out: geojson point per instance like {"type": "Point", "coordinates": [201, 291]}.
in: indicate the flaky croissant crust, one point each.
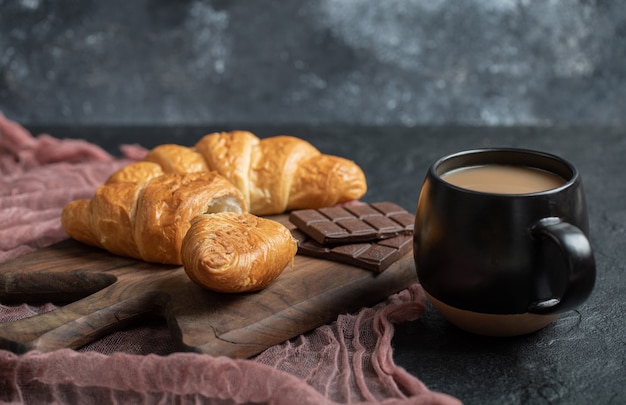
{"type": "Point", "coordinates": [148, 220]}
{"type": "Point", "coordinates": [274, 174]}
{"type": "Point", "coordinates": [228, 252]}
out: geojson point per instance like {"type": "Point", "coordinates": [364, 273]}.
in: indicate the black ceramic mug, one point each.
{"type": "Point", "coordinates": [503, 262]}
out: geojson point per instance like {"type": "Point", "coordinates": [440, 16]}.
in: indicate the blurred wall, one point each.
{"type": "Point", "coordinates": [372, 62]}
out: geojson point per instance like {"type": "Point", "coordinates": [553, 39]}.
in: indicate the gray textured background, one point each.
{"type": "Point", "coordinates": [371, 62]}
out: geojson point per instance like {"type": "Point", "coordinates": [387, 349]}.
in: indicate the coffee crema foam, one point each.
{"type": "Point", "coordinates": [503, 179]}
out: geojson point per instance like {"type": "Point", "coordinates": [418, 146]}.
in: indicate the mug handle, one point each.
{"type": "Point", "coordinates": [581, 268]}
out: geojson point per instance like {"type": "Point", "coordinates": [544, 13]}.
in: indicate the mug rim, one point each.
{"type": "Point", "coordinates": [465, 156]}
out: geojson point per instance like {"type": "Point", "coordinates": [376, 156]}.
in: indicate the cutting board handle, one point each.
{"type": "Point", "coordinates": [78, 323]}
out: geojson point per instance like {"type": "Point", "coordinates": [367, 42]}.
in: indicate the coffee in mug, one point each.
{"type": "Point", "coordinates": [503, 179]}
{"type": "Point", "coordinates": [501, 241]}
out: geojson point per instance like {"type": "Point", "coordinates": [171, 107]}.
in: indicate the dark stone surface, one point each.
{"type": "Point", "coordinates": [392, 62]}
{"type": "Point", "coordinates": [580, 358]}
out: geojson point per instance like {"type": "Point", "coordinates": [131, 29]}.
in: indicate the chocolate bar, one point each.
{"type": "Point", "coordinates": [376, 256]}
{"type": "Point", "coordinates": [356, 223]}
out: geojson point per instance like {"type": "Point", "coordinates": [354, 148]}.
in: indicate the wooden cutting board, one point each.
{"type": "Point", "coordinates": [101, 293]}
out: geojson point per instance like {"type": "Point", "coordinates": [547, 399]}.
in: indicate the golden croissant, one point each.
{"type": "Point", "coordinates": [146, 209]}
{"type": "Point", "coordinates": [148, 220]}
{"type": "Point", "coordinates": [275, 175]}
{"type": "Point", "coordinates": [230, 252]}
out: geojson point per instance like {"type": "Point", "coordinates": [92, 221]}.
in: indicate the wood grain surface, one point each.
{"type": "Point", "coordinates": [100, 293]}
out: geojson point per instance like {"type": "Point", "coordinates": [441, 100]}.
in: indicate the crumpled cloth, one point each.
{"type": "Point", "coordinates": [347, 361]}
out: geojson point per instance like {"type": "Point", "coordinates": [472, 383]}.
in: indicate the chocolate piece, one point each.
{"type": "Point", "coordinates": [356, 223]}
{"type": "Point", "coordinates": [376, 256]}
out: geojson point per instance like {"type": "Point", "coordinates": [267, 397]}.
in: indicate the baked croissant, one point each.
{"type": "Point", "coordinates": [275, 174]}
{"type": "Point", "coordinates": [145, 209]}
{"type": "Point", "coordinates": [229, 252]}
{"type": "Point", "coordinates": [148, 219]}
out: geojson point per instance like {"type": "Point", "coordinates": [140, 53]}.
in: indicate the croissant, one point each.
{"type": "Point", "coordinates": [148, 219]}
{"type": "Point", "coordinates": [275, 174]}
{"type": "Point", "coordinates": [229, 252]}
{"type": "Point", "coordinates": [146, 209]}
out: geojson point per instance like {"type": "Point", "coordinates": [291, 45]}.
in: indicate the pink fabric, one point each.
{"type": "Point", "coordinates": [348, 361]}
